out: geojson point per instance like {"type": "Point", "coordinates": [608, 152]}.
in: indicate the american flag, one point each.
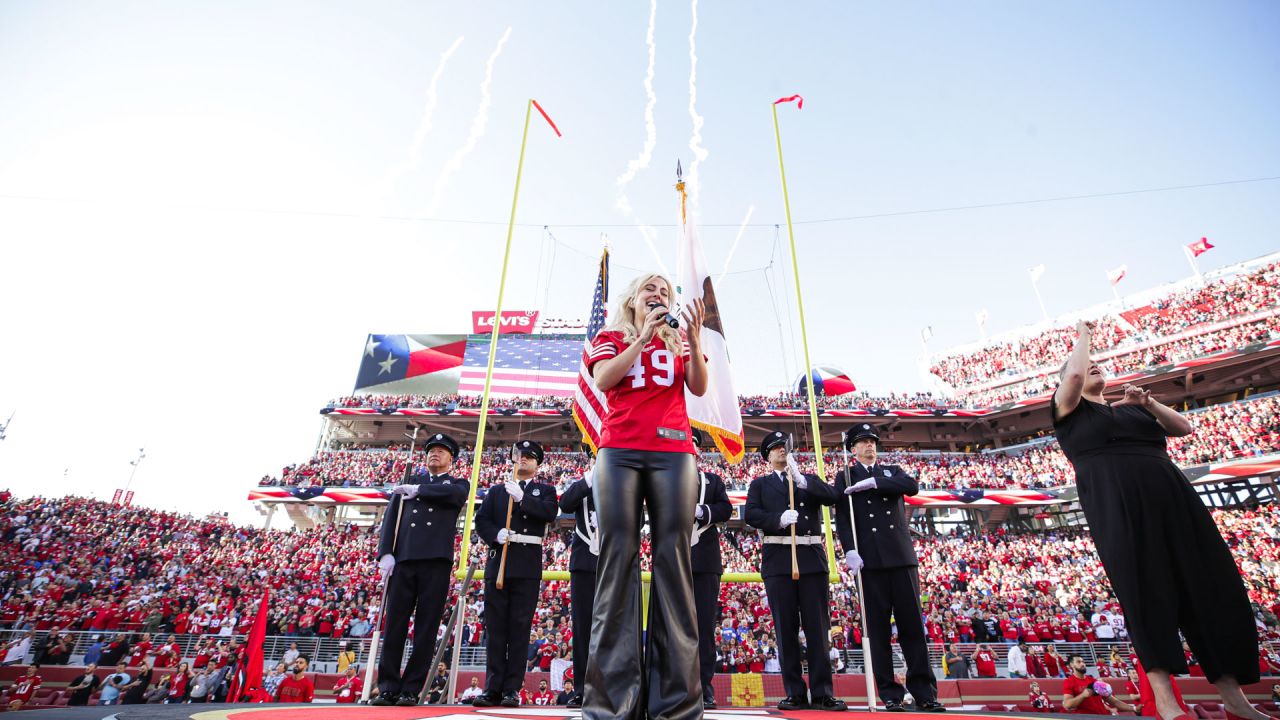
{"type": "Point", "coordinates": [525, 365]}
{"type": "Point", "coordinates": [589, 406]}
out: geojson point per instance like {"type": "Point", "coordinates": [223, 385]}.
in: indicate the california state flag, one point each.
{"type": "Point", "coordinates": [716, 413]}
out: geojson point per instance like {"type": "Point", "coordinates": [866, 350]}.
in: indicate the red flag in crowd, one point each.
{"type": "Point", "coordinates": [249, 673]}
{"type": "Point", "coordinates": [1200, 247]}
{"type": "Point", "coordinates": [1115, 276]}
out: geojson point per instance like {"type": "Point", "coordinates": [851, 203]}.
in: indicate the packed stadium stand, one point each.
{"type": "Point", "coordinates": [1004, 551]}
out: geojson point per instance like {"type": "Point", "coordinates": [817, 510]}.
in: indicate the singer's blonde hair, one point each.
{"type": "Point", "coordinates": [626, 322]}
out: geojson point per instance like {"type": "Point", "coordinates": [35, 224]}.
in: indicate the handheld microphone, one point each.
{"type": "Point", "coordinates": [668, 318]}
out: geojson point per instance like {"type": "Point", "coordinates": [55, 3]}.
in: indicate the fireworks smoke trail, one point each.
{"type": "Point", "coordinates": [641, 161]}
{"type": "Point", "coordinates": [478, 125]}
{"type": "Point", "coordinates": [695, 141]}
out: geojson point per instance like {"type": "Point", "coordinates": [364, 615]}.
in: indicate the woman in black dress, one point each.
{"type": "Point", "coordinates": [1167, 562]}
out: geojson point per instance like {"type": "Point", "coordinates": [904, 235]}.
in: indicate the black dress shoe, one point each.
{"type": "Point", "coordinates": [829, 703]}
{"type": "Point", "coordinates": [894, 706]}
{"type": "Point", "coordinates": [510, 700]}
{"type": "Point", "coordinates": [407, 700]}
{"type": "Point", "coordinates": [487, 699]}
{"type": "Point", "coordinates": [794, 702]}
{"type": "Point", "coordinates": [931, 706]}
{"type": "Point", "coordinates": [385, 699]}
{"type": "Point", "coordinates": [709, 702]}
{"type": "Point", "coordinates": [574, 702]}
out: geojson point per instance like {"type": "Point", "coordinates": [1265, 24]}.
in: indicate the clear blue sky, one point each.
{"type": "Point", "coordinates": [205, 206]}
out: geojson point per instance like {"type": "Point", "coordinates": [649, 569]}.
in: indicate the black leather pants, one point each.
{"type": "Point", "coordinates": [662, 682]}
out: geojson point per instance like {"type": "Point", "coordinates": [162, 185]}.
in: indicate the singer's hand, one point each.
{"type": "Point", "coordinates": [693, 315]}
{"type": "Point", "coordinates": [652, 322]}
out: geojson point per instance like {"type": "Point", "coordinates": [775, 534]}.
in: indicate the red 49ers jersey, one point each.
{"type": "Point", "coordinates": [649, 397]}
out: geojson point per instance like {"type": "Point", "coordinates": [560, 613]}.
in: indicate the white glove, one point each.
{"type": "Point", "coordinates": [698, 512]}
{"type": "Point", "coordinates": [590, 475]}
{"type": "Point", "coordinates": [503, 535]}
{"type": "Point", "coordinates": [408, 491]}
{"type": "Point", "coordinates": [853, 561]}
{"type": "Point", "coordinates": [788, 518]}
{"type": "Point", "coordinates": [860, 486]}
{"type": "Point", "coordinates": [386, 564]}
{"type": "Point", "coordinates": [514, 490]}
{"type": "Point", "coordinates": [797, 477]}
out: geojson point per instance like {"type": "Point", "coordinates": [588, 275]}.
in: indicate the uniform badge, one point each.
{"type": "Point", "coordinates": [888, 474]}
{"type": "Point", "coordinates": [448, 482]}
{"type": "Point", "coordinates": [536, 492]}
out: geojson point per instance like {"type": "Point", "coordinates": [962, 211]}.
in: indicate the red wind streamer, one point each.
{"type": "Point", "coordinates": [547, 117]}
{"type": "Point", "coordinates": [798, 100]}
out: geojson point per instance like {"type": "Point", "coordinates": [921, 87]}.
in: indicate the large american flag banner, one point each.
{"type": "Point", "coordinates": [589, 406]}
{"type": "Point", "coordinates": [525, 365]}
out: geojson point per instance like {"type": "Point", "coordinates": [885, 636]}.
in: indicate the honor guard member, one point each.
{"type": "Point", "coordinates": [713, 508]}
{"type": "Point", "coordinates": [508, 613]}
{"type": "Point", "coordinates": [795, 603]}
{"type": "Point", "coordinates": [577, 499]}
{"type": "Point", "coordinates": [890, 581]}
{"type": "Point", "coordinates": [415, 556]}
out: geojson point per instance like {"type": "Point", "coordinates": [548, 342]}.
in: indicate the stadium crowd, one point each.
{"type": "Point", "coordinates": [1223, 432]}
{"type": "Point", "coordinates": [1236, 297]}
{"type": "Point", "coordinates": [776, 401]}
{"type": "Point", "coordinates": [73, 564]}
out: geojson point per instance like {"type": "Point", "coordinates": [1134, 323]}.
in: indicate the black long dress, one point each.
{"type": "Point", "coordinates": [1166, 560]}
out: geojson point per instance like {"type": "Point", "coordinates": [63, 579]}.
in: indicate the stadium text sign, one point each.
{"type": "Point", "coordinates": [513, 321]}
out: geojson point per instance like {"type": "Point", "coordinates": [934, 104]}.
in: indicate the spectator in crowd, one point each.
{"type": "Point", "coordinates": [82, 687]}
{"type": "Point", "coordinates": [134, 692]}
{"type": "Point", "coordinates": [346, 656]}
{"type": "Point", "coordinates": [985, 661]}
{"type": "Point", "coordinates": [15, 652]}
{"type": "Point", "coordinates": [349, 686]}
{"type": "Point", "coordinates": [202, 685]}
{"type": "Point", "coordinates": [296, 687]}
{"type": "Point", "coordinates": [1039, 698]}
{"type": "Point", "coordinates": [25, 687]}
{"type": "Point", "coordinates": [158, 693]}
{"type": "Point", "coordinates": [271, 683]}
{"type": "Point", "coordinates": [114, 685]}
{"type": "Point", "coordinates": [471, 692]}
{"type": "Point", "coordinates": [179, 684]}
{"type": "Point", "coordinates": [439, 684]}
{"type": "Point", "coordinates": [290, 655]}
{"type": "Point", "coordinates": [1083, 694]}
{"type": "Point", "coordinates": [1017, 660]}
{"type": "Point", "coordinates": [566, 694]}
{"type": "Point", "coordinates": [93, 653]}
{"type": "Point", "coordinates": [957, 664]}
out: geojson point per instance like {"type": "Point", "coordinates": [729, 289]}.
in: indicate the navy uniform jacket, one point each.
{"type": "Point", "coordinates": [428, 523]}
{"type": "Point", "coordinates": [766, 501]}
{"type": "Point", "coordinates": [716, 509]}
{"type": "Point", "coordinates": [529, 517]}
{"type": "Point", "coordinates": [581, 559]}
{"type": "Point", "coordinates": [884, 538]}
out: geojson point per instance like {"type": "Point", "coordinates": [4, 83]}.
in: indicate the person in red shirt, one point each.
{"type": "Point", "coordinates": [1039, 698]}
{"type": "Point", "coordinates": [985, 661]}
{"type": "Point", "coordinates": [544, 696]}
{"type": "Point", "coordinates": [642, 365]}
{"type": "Point", "coordinates": [138, 654]}
{"type": "Point", "coordinates": [1080, 692]}
{"type": "Point", "coordinates": [179, 682]}
{"type": "Point", "coordinates": [1054, 664]}
{"type": "Point", "coordinates": [25, 688]}
{"type": "Point", "coordinates": [296, 687]}
{"type": "Point", "coordinates": [169, 654]}
{"type": "Point", "coordinates": [349, 686]}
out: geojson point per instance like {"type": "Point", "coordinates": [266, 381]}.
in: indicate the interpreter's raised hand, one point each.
{"type": "Point", "coordinates": [1134, 395]}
